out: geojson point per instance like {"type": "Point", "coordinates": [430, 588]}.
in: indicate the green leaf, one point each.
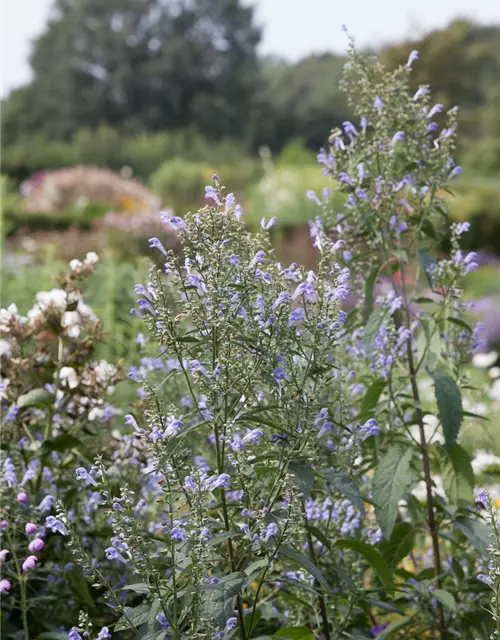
{"type": "Point", "coordinates": [372, 395]}
{"type": "Point", "coordinates": [303, 475]}
{"type": "Point", "coordinates": [304, 562]}
{"type": "Point", "coordinates": [346, 486]}
{"type": "Point", "coordinates": [61, 443]}
{"type": "Point", "coordinates": [476, 532]}
{"type": "Point", "coordinates": [449, 402]}
{"type": "Point", "coordinates": [222, 537]}
{"type": "Point", "coordinates": [35, 398]}
{"type": "Point", "coordinates": [137, 616]}
{"type": "Point", "coordinates": [80, 587]}
{"type": "Point", "coordinates": [389, 631]}
{"type": "Point", "coordinates": [400, 543]}
{"type": "Point", "coordinates": [251, 621]}
{"type": "Point", "coordinates": [139, 587]}
{"type": "Point", "coordinates": [218, 599]}
{"type": "Point", "coordinates": [445, 598]}
{"type": "Point", "coordinates": [369, 288]}
{"type": "Point", "coordinates": [295, 633]}
{"type": "Point", "coordinates": [457, 475]}
{"type": "Point", "coordinates": [319, 535]}
{"type": "Point", "coordinates": [256, 567]}
{"type": "Point", "coordinates": [392, 478]}
{"type": "Point", "coordinates": [426, 259]}
{"type": "Point", "coordinates": [372, 556]}
{"type": "Point", "coordinates": [373, 326]}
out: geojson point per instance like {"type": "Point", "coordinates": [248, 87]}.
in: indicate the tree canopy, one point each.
{"type": "Point", "coordinates": [140, 64]}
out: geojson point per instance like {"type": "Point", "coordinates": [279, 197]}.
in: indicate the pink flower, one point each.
{"type": "Point", "coordinates": [22, 497]}
{"type": "Point", "coordinates": [4, 586]}
{"type": "Point", "coordinates": [29, 563]}
{"type": "Point", "coordinates": [30, 528]}
{"type": "Point", "coordinates": [36, 545]}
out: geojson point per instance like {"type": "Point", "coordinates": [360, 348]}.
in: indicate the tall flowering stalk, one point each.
{"type": "Point", "coordinates": [269, 484]}
{"type": "Point", "coordinates": [394, 166]}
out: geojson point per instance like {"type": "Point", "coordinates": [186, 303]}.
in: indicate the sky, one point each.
{"type": "Point", "coordinates": [291, 28]}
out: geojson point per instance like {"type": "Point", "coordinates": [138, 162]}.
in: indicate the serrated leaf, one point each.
{"type": "Point", "coordinates": [449, 402]}
{"type": "Point", "coordinates": [294, 633]}
{"type": "Point", "coordinates": [303, 475]}
{"type": "Point", "coordinates": [445, 598]}
{"type": "Point", "coordinates": [304, 562]}
{"type": "Point", "coordinates": [457, 475]}
{"type": "Point", "coordinates": [218, 599]}
{"type": "Point", "coordinates": [392, 478]}
{"type": "Point", "coordinates": [346, 486]}
{"type": "Point", "coordinates": [476, 532]}
{"type": "Point", "coordinates": [426, 259]}
{"type": "Point", "coordinates": [400, 544]}
{"type": "Point", "coordinates": [372, 556]}
{"type": "Point", "coordinates": [372, 395]}
{"type": "Point", "coordinates": [35, 398]}
{"type": "Point", "coordinates": [372, 327]}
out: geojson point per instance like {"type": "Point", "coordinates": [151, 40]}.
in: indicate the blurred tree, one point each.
{"type": "Point", "coordinates": [460, 62]}
{"type": "Point", "coordinates": [140, 64]}
{"type": "Point", "coordinates": [305, 99]}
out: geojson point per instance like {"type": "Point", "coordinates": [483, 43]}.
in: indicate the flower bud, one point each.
{"type": "Point", "coordinates": [36, 545]}
{"type": "Point", "coordinates": [22, 497]}
{"type": "Point", "coordinates": [30, 528]}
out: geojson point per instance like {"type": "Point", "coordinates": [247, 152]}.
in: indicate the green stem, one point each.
{"type": "Point", "coordinates": [21, 577]}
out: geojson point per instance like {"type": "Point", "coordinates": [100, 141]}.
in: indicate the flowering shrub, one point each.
{"type": "Point", "coordinates": [54, 410]}
{"type": "Point", "coordinates": [278, 477]}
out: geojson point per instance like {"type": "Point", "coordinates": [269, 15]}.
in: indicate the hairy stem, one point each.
{"type": "Point", "coordinates": [431, 516]}
{"type": "Point", "coordinates": [321, 599]}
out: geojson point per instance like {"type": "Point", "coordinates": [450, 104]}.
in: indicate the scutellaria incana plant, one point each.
{"type": "Point", "coordinates": [272, 482]}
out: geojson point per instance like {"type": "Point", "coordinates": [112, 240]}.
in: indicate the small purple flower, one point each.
{"type": "Point", "coordinates": [311, 195]}
{"type": "Point", "coordinates": [113, 554]}
{"type": "Point", "coordinates": [211, 194]}
{"type": "Point", "coordinates": [420, 93]}
{"type": "Point", "coordinates": [103, 634]}
{"type": "Point", "coordinates": [462, 227]}
{"type": "Point", "coordinates": [36, 545]}
{"type": "Point", "coordinates": [130, 420]}
{"type": "Point", "coordinates": [5, 586]}
{"type": "Point", "coordinates": [437, 108]}
{"type": "Point", "coordinates": [377, 103]}
{"type": "Point", "coordinates": [279, 373]}
{"type": "Point", "coordinates": [74, 634]}
{"type": "Point", "coordinates": [397, 137]}
{"type": "Point", "coordinates": [56, 526]}
{"type": "Point", "coordinates": [455, 172]}
{"type": "Point", "coordinates": [154, 243]}
{"type": "Point", "coordinates": [297, 315]}
{"type": "Point", "coordinates": [83, 474]}
{"type": "Point", "coordinates": [267, 225]}
{"type": "Point", "coordinates": [46, 504]}
{"type": "Point", "coordinates": [29, 563]}
{"type": "Point", "coordinates": [30, 528]}
{"type": "Point", "coordinates": [414, 55]}
{"type": "Point", "coordinates": [22, 497]}
{"type": "Point", "coordinates": [349, 129]}
{"type": "Point", "coordinates": [482, 498]}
